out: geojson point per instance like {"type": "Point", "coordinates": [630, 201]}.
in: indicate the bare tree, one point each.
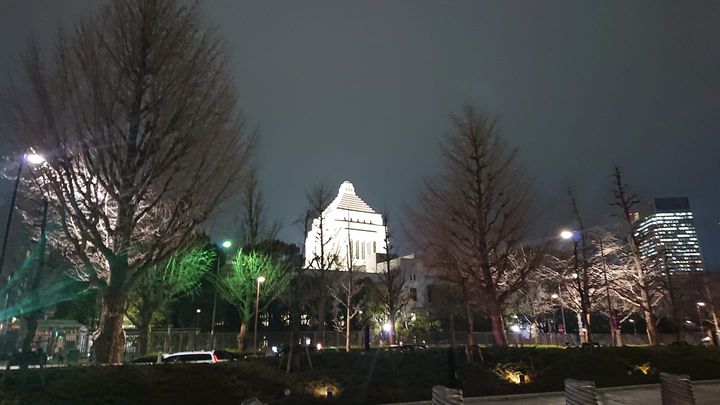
{"type": "Point", "coordinates": [323, 259]}
{"type": "Point", "coordinates": [253, 227]}
{"type": "Point", "coordinates": [478, 210]}
{"type": "Point", "coordinates": [345, 293]}
{"type": "Point", "coordinates": [533, 302]}
{"type": "Point", "coordinates": [392, 292]}
{"type": "Point", "coordinates": [641, 286]}
{"type": "Point", "coordinates": [137, 117]}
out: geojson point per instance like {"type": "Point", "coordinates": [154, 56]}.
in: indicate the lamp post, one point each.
{"type": "Point", "coordinates": [34, 159]}
{"type": "Point", "coordinates": [562, 311]}
{"type": "Point", "coordinates": [582, 286]}
{"type": "Point", "coordinates": [197, 327]}
{"type": "Point", "coordinates": [226, 244]}
{"type": "Point", "coordinates": [632, 321]}
{"type": "Point", "coordinates": [260, 280]}
{"type": "Point", "coordinates": [700, 322]}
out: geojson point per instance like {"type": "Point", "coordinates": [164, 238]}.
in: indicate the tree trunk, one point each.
{"type": "Point", "coordinates": [650, 327]}
{"type": "Point", "coordinates": [498, 328]}
{"type": "Point", "coordinates": [347, 325]}
{"type": "Point", "coordinates": [241, 336]}
{"type": "Point", "coordinates": [31, 322]}
{"type": "Point", "coordinates": [471, 326]}
{"type": "Point", "coordinates": [321, 322]}
{"type": "Point", "coordinates": [581, 335]}
{"type": "Point", "coordinates": [143, 336]}
{"type": "Point", "coordinates": [391, 335]}
{"type": "Point", "coordinates": [452, 329]}
{"type": "Point", "coordinates": [110, 341]}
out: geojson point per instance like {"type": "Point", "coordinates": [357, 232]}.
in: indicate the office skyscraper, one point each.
{"type": "Point", "coordinates": [667, 236]}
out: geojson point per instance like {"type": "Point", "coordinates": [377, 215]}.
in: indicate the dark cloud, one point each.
{"type": "Point", "coordinates": [362, 91]}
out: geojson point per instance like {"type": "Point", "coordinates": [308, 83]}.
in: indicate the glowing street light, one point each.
{"type": "Point", "coordinates": [260, 280]}
{"type": "Point", "coordinates": [632, 321]}
{"type": "Point", "coordinates": [562, 312]}
{"type": "Point", "coordinates": [35, 158]}
{"type": "Point", "coordinates": [565, 234]}
{"type": "Point", "coordinates": [226, 244]}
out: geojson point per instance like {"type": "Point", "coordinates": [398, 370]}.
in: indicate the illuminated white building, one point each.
{"type": "Point", "coordinates": [668, 236]}
{"type": "Point", "coordinates": [350, 228]}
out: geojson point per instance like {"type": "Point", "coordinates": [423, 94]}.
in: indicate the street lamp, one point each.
{"type": "Point", "coordinates": [562, 311]}
{"type": "Point", "coordinates": [702, 329]}
{"type": "Point", "coordinates": [632, 321]}
{"type": "Point", "coordinates": [226, 244]}
{"type": "Point", "coordinates": [582, 285]}
{"type": "Point", "coordinates": [260, 280]}
{"type": "Point", "coordinates": [34, 159]}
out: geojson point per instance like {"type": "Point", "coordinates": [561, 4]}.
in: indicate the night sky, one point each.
{"type": "Point", "coordinates": [362, 91]}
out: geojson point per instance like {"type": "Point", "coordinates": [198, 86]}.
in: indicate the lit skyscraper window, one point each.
{"type": "Point", "coordinates": [667, 237]}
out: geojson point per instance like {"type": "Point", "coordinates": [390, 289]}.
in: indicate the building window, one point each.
{"type": "Point", "coordinates": [357, 250]}
{"type": "Point", "coordinates": [285, 319]}
{"type": "Point", "coordinates": [374, 247]}
{"type": "Point", "coordinates": [413, 294]}
{"type": "Point", "coordinates": [265, 319]}
{"type": "Point", "coordinates": [304, 319]}
{"type": "Point", "coordinates": [362, 250]}
{"type": "Point", "coordinates": [429, 297]}
{"type": "Point", "coordinates": [412, 277]}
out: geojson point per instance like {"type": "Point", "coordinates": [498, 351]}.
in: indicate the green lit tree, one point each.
{"type": "Point", "coordinates": [238, 285]}
{"type": "Point", "coordinates": [163, 284]}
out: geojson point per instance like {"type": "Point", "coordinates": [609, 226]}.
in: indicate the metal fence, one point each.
{"type": "Point", "coordinates": [175, 340]}
{"type": "Point", "coordinates": [169, 341]}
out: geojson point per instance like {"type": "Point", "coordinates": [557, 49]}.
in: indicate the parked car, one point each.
{"type": "Point", "coordinates": [224, 355]}
{"type": "Point", "coordinates": [205, 356]}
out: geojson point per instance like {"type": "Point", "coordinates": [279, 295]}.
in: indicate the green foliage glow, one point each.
{"type": "Point", "coordinates": [166, 282]}
{"type": "Point", "coordinates": [238, 284]}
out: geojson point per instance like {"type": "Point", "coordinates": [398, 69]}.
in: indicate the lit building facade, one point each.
{"type": "Point", "coordinates": [353, 233]}
{"type": "Point", "coordinates": [667, 236]}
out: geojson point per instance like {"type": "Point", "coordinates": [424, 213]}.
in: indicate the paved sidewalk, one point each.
{"type": "Point", "coordinates": [706, 393]}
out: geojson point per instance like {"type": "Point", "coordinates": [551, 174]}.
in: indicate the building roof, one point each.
{"type": "Point", "coordinates": [348, 200]}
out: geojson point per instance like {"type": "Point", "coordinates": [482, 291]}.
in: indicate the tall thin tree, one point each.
{"type": "Point", "coordinates": [478, 210]}
{"type": "Point", "coordinates": [136, 115]}
{"type": "Point", "coordinates": [642, 288]}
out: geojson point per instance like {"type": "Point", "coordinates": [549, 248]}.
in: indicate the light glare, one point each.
{"type": "Point", "coordinates": [35, 158]}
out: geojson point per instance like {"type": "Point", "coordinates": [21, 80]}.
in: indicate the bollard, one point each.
{"type": "Point", "coordinates": [446, 396]}
{"type": "Point", "coordinates": [580, 392]}
{"type": "Point", "coordinates": [676, 389]}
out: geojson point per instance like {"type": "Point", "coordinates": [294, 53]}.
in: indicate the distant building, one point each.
{"type": "Point", "coordinates": [352, 233]}
{"type": "Point", "coordinates": [667, 236]}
